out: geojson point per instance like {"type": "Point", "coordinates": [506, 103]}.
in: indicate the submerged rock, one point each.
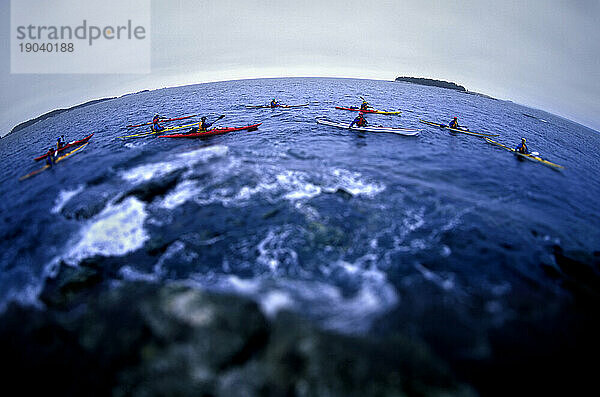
{"type": "Point", "coordinates": [145, 339]}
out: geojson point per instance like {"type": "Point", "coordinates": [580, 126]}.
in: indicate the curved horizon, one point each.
{"type": "Point", "coordinates": [119, 95]}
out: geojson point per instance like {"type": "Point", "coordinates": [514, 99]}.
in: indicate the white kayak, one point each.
{"type": "Point", "coordinates": [389, 130]}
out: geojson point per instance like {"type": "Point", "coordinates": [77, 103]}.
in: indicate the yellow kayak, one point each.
{"type": "Point", "coordinates": [148, 133]}
{"type": "Point", "coordinates": [480, 134]}
{"type": "Point", "coordinates": [527, 156]}
{"type": "Point", "coordinates": [61, 158]}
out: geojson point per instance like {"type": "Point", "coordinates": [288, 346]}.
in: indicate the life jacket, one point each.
{"type": "Point", "coordinates": [364, 106]}
{"type": "Point", "coordinates": [453, 124]}
{"type": "Point", "coordinates": [361, 122]}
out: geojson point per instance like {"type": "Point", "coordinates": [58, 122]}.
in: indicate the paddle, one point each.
{"type": "Point", "coordinates": [218, 118]}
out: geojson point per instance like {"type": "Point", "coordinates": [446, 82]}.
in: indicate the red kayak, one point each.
{"type": "Point", "coordinates": [162, 121]}
{"type": "Point", "coordinates": [214, 131]}
{"type": "Point", "coordinates": [68, 145]}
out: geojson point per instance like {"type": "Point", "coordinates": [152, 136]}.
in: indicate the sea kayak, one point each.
{"type": "Point", "coordinates": [59, 159]}
{"type": "Point", "coordinates": [391, 130]}
{"type": "Point", "coordinates": [148, 133]}
{"type": "Point", "coordinates": [353, 109]}
{"type": "Point", "coordinates": [531, 157]}
{"type": "Point", "coordinates": [214, 131]}
{"type": "Point", "coordinates": [480, 134]}
{"type": "Point", "coordinates": [68, 145]}
{"type": "Point", "coordinates": [276, 107]}
{"type": "Point", "coordinates": [162, 121]}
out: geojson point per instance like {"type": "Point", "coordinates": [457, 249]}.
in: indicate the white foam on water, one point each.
{"type": "Point", "coordinates": [182, 193]}
{"type": "Point", "coordinates": [244, 286]}
{"type": "Point", "coordinates": [117, 230]}
{"type": "Point", "coordinates": [130, 274]}
{"type": "Point", "coordinates": [320, 299]}
{"type": "Point", "coordinates": [146, 172]}
{"type": "Point", "coordinates": [175, 249]}
{"type": "Point", "coordinates": [353, 184]}
{"type": "Point", "coordinates": [292, 185]}
{"type": "Point", "coordinates": [444, 283]}
{"type": "Point", "coordinates": [272, 251]}
{"type": "Point", "coordinates": [300, 186]}
{"type": "Point", "coordinates": [274, 301]}
{"type": "Point", "coordinates": [63, 198]}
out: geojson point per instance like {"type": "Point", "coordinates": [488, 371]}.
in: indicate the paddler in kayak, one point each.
{"type": "Point", "coordinates": [274, 103]}
{"type": "Point", "coordinates": [156, 126]}
{"type": "Point", "coordinates": [522, 147]}
{"type": "Point", "coordinates": [51, 157]}
{"type": "Point", "coordinates": [203, 126]}
{"type": "Point", "coordinates": [454, 124]}
{"type": "Point", "coordinates": [364, 105]}
{"type": "Point", "coordinates": [360, 120]}
{"type": "Point", "coordinates": [60, 142]}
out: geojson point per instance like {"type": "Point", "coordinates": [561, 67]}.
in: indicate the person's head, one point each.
{"type": "Point", "coordinates": [455, 118]}
{"type": "Point", "coordinates": [203, 118]}
{"type": "Point", "coordinates": [361, 114]}
{"type": "Point", "coordinates": [523, 140]}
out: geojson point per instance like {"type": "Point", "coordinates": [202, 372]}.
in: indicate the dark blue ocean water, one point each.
{"type": "Point", "coordinates": [339, 226]}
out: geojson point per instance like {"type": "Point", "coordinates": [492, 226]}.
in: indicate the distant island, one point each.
{"type": "Point", "coordinates": [433, 83]}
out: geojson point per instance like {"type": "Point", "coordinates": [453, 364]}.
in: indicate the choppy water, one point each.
{"type": "Point", "coordinates": [339, 226]}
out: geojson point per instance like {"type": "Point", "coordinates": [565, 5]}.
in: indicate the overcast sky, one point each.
{"type": "Point", "coordinates": [540, 53]}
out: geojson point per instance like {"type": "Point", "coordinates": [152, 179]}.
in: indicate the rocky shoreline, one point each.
{"type": "Point", "coordinates": [97, 335]}
{"type": "Point", "coordinates": [146, 339]}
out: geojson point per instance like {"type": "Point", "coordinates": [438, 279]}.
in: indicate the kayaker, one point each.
{"type": "Point", "coordinates": [360, 120]}
{"type": "Point", "coordinates": [274, 103]}
{"type": "Point", "coordinates": [454, 124]}
{"type": "Point", "coordinates": [203, 126]}
{"type": "Point", "coordinates": [364, 105]}
{"type": "Point", "coordinates": [156, 126]}
{"type": "Point", "coordinates": [522, 147]}
{"type": "Point", "coordinates": [51, 157]}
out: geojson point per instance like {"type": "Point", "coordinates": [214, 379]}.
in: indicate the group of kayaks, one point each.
{"type": "Point", "coordinates": [533, 156]}
{"type": "Point", "coordinates": [196, 130]}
